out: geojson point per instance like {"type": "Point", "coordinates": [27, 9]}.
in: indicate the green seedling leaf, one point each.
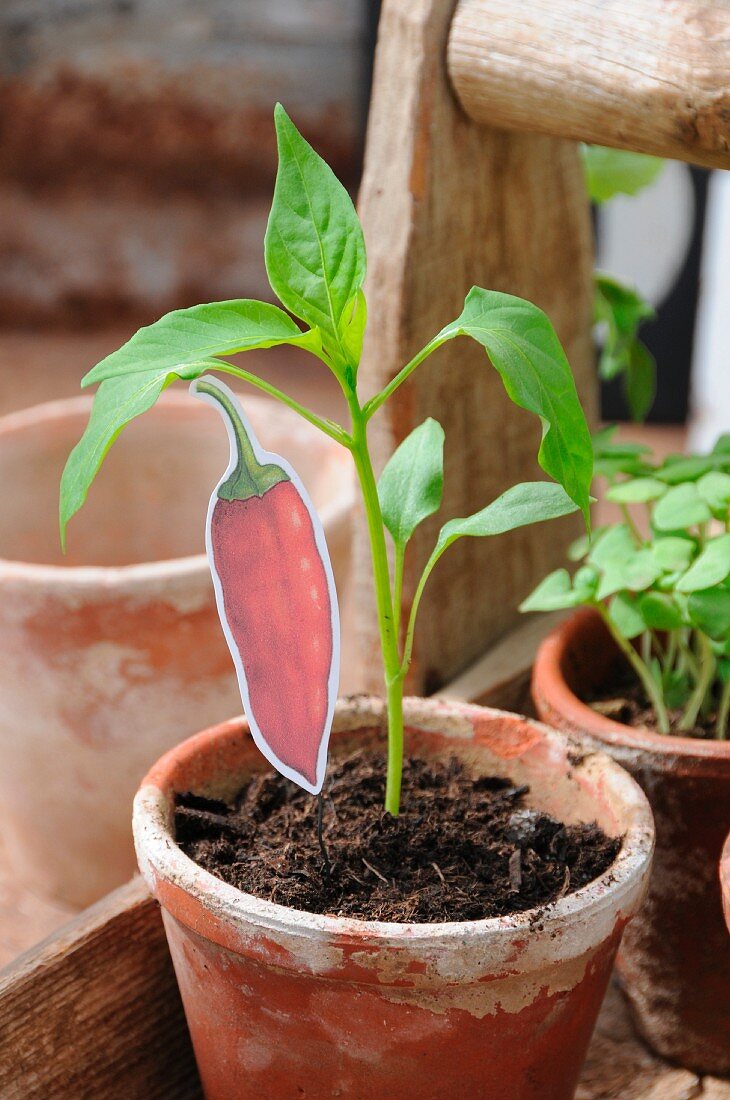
{"type": "Point", "coordinates": [612, 548]}
{"type": "Point", "coordinates": [677, 469]}
{"type": "Point", "coordinates": [580, 546]}
{"type": "Point", "coordinates": [714, 488]}
{"type": "Point", "coordinates": [711, 567]}
{"type": "Point", "coordinates": [605, 444]}
{"type": "Point", "coordinates": [674, 554]}
{"type": "Point", "coordinates": [117, 401]}
{"type": "Point", "coordinates": [314, 247]}
{"type": "Point", "coordinates": [621, 310]}
{"type": "Point", "coordinates": [412, 482]}
{"type": "Point", "coordinates": [709, 610]}
{"type": "Point", "coordinates": [722, 446]}
{"type": "Point", "coordinates": [555, 593]}
{"type": "Point", "coordinates": [677, 688]}
{"type": "Point", "coordinates": [635, 572]}
{"type": "Point", "coordinates": [525, 350]}
{"type": "Point", "coordinates": [189, 338]}
{"type": "Point", "coordinates": [611, 172]}
{"type": "Point", "coordinates": [640, 381]}
{"type": "Point", "coordinates": [639, 490]}
{"type": "Point", "coordinates": [659, 611]}
{"type": "Point", "coordinates": [681, 507]}
{"type": "Point", "coordinates": [626, 616]}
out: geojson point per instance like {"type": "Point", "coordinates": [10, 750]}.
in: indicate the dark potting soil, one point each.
{"type": "Point", "coordinates": [461, 848]}
{"type": "Point", "coordinates": [622, 698]}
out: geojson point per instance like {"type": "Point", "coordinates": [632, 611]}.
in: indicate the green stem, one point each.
{"type": "Point", "coordinates": [379, 399]}
{"type": "Point", "coordinates": [384, 605]}
{"type": "Point", "coordinates": [704, 682]}
{"type": "Point", "coordinates": [648, 682]}
{"type": "Point", "coordinates": [723, 712]}
{"type": "Point", "coordinates": [629, 521]}
{"type": "Point", "coordinates": [334, 431]}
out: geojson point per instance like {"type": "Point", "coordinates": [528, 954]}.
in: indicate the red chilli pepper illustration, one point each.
{"type": "Point", "coordinates": [276, 597]}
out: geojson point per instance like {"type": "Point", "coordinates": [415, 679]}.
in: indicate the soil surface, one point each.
{"type": "Point", "coordinates": [461, 849]}
{"type": "Point", "coordinates": [622, 698]}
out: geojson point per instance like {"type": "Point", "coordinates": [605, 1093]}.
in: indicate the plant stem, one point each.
{"type": "Point", "coordinates": [704, 681]}
{"type": "Point", "coordinates": [648, 682]}
{"type": "Point", "coordinates": [629, 521]}
{"type": "Point", "coordinates": [384, 603]}
{"type": "Point", "coordinates": [379, 399]}
{"type": "Point", "coordinates": [334, 431]}
{"type": "Point", "coordinates": [723, 712]}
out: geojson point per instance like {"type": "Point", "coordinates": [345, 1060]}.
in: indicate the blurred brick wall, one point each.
{"type": "Point", "coordinates": [137, 149]}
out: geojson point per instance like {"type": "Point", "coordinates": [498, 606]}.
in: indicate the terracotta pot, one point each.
{"type": "Point", "coordinates": [113, 654]}
{"type": "Point", "coordinates": [282, 1003]}
{"type": "Point", "coordinates": [675, 959]}
{"type": "Point", "coordinates": [725, 879]}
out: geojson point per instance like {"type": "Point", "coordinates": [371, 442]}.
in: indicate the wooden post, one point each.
{"type": "Point", "coordinates": [446, 204]}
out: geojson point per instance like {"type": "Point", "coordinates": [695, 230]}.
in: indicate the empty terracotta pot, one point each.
{"type": "Point", "coordinates": [725, 880]}
{"type": "Point", "coordinates": [675, 959]}
{"type": "Point", "coordinates": [282, 1003]}
{"type": "Point", "coordinates": [112, 654]}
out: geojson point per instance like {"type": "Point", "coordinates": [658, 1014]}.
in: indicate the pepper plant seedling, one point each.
{"type": "Point", "coordinates": [618, 308]}
{"type": "Point", "coordinates": [315, 259]}
{"type": "Point", "coordinates": [660, 579]}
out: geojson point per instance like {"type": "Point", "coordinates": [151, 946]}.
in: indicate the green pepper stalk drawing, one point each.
{"type": "Point", "coordinates": [315, 260]}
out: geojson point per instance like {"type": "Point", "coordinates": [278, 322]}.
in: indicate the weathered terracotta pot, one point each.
{"type": "Point", "coordinates": [725, 880]}
{"type": "Point", "coordinates": [282, 1003]}
{"type": "Point", "coordinates": [111, 655]}
{"type": "Point", "coordinates": [675, 959]}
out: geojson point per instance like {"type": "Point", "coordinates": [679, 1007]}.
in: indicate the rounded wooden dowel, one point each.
{"type": "Point", "coordinates": [647, 75]}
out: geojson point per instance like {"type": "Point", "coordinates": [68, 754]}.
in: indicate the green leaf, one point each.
{"type": "Point", "coordinates": [314, 247]}
{"type": "Point", "coordinates": [613, 548]}
{"type": "Point", "coordinates": [679, 468]}
{"type": "Point", "coordinates": [622, 310]}
{"type": "Point", "coordinates": [531, 502]}
{"type": "Point", "coordinates": [681, 507]}
{"type": "Point", "coordinates": [554, 593]}
{"type": "Point", "coordinates": [659, 611]}
{"type": "Point", "coordinates": [709, 610]}
{"type": "Point", "coordinates": [640, 381]}
{"type": "Point", "coordinates": [605, 444]}
{"type": "Point", "coordinates": [722, 445]}
{"type": "Point", "coordinates": [711, 567]}
{"type": "Point", "coordinates": [353, 331]}
{"type": "Point", "coordinates": [673, 553]}
{"type": "Point", "coordinates": [190, 337]}
{"type": "Point", "coordinates": [626, 616]}
{"type": "Point", "coordinates": [714, 488]}
{"type": "Point", "coordinates": [639, 490]}
{"type": "Point", "coordinates": [525, 350]}
{"type": "Point", "coordinates": [412, 482]}
{"type": "Point", "coordinates": [634, 572]}
{"type": "Point", "coordinates": [611, 172]}
{"type": "Point", "coordinates": [117, 401]}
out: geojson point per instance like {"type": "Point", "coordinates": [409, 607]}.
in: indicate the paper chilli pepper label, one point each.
{"type": "Point", "coordinates": [276, 597]}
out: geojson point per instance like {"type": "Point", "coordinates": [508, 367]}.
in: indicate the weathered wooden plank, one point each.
{"type": "Point", "coordinates": [648, 75]}
{"type": "Point", "coordinates": [94, 1011]}
{"type": "Point", "coordinates": [447, 204]}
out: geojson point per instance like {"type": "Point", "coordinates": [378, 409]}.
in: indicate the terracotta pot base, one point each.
{"type": "Point", "coordinates": [282, 1003]}
{"type": "Point", "coordinates": [675, 959]}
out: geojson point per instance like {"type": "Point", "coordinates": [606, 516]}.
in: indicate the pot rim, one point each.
{"type": "Point", "coordinates": [163, 862]}
{"type": "Point", "coordinates": [139, 574]}
{"type": "Point", "coordinates": [550, 686]}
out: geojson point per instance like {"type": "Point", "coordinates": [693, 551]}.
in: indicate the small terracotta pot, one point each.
{"type": "Point", "coordinates": [675, 959]}
{"type": "Point", "coordinates": [112, 654]}
{"type": "Point", "coordinates": [282, 1003]}
{"type": "Point", "coordinates": [725, 880]}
